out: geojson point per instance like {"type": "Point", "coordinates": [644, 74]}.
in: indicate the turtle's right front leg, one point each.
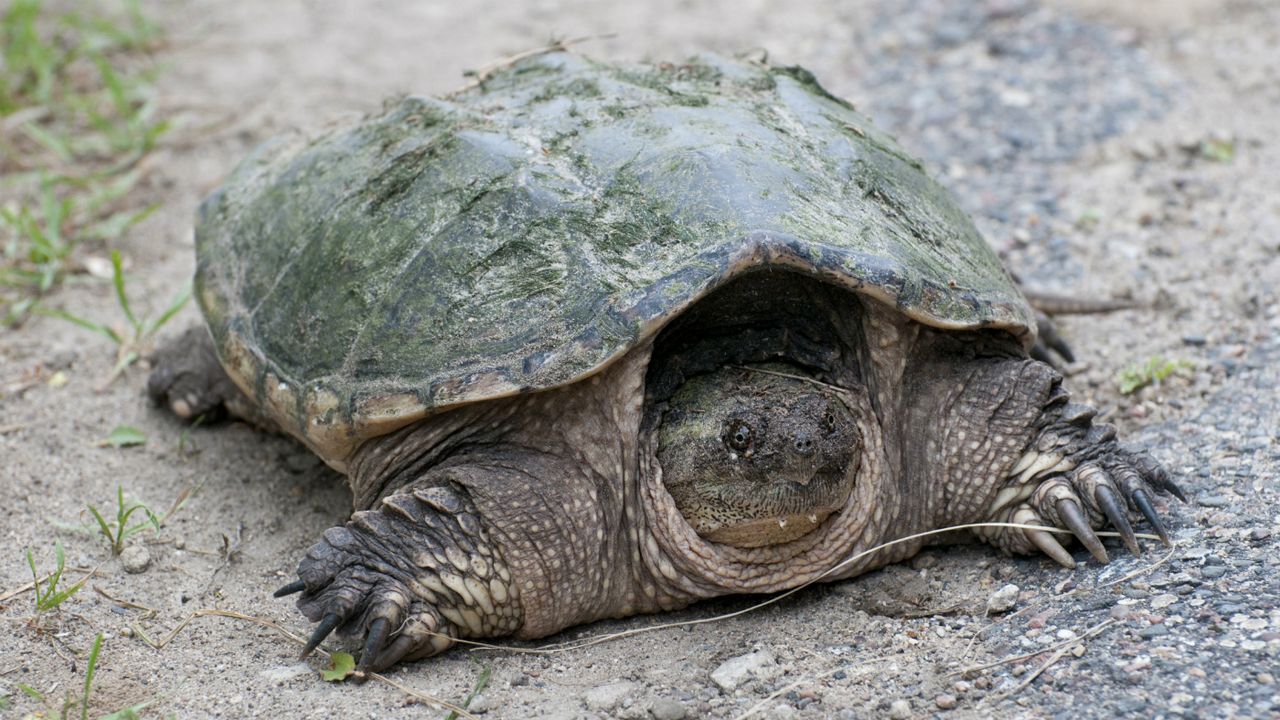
{"type": "Point", "coordinates": [409, 577]}
{"type": "Point", "coordinates": [517, 542]}
{"type": "Point", "coordinates": [188, 379]}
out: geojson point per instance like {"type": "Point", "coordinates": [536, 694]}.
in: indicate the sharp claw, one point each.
{"type": "Point", "coordinates": [1149, 512]}
{"type": "Point", "coordinates": [1061, 347]}
{"type": "Point", "coordinates": [291, 588]}
{"type": "Point", "coordinates": [1111, 507]}
{"type": "Point", "coordinates": [325, 627]}
{"type": "Point", "coordinates": [1168, 484]}
{"type": "Point", "coordinates": [1049, 546]}
{"type": "Point", "coordinates": [378, 631]}
{"type": "Point", "coordinates": [391, 654]}
{"type": "Point", "coordinates": [1073, 517]}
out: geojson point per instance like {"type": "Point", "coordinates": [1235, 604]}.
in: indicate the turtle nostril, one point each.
{"type": "Point", "coordinates": [803, 444]}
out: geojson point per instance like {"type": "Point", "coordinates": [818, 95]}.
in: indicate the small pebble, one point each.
{"type": "Point", "coordinates": [604, 698]}
{"type": "Point", "coordinates": [667, 709]}
{"type": "Point", "coordinates": [735, 671]}
{"type": "Point", "coordinates": [135, 559]}
{"type": "Point", "coordinates": [1266, 679]}
{"type": "Point", "coordinates": [899, 710]}
{"type": "Point", "coordinates": [1152, 631]}
{"type": "Point", "coordinates": [1003, 599]}
{"type": "Point", "coordinates": [945, 701]}
{"type": "Point", "coordinates": [1213, 572]}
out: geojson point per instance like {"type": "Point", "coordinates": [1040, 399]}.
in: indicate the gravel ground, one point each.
{"type": "Point", "coordinates": [1105, 150]}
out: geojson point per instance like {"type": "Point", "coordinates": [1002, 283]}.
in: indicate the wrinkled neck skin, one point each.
{"type": "Point", "coordinates": [579, 510]}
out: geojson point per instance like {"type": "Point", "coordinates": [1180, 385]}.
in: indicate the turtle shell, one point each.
{"type": "Point", "coordinates": [524, 233]}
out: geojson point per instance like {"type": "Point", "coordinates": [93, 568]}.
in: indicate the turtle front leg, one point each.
{"type": "Point", "coordinates": [1077, 477]}
{"type": "Point", "coordinates": [505, 540]}
{"type": "Point", "coordinates": [1012, 448]}
{"type": "Point", "coordinates": [409, 577]}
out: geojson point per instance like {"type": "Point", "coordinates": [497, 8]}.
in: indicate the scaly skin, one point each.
{"type": "Point", "coordinates": [527, 515]}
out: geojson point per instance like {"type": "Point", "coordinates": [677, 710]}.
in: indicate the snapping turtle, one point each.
{"type": "Point", "coordinates": [592, 340]}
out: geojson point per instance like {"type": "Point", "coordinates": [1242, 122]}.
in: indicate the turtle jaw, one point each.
{"type": "Point", "coordinates": [778, 512]}
{"type": "Point", "coordinates": [770, 530]}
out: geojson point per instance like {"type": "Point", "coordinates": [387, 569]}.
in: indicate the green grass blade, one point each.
{"type": "Point", "coordinates": [481, 683]}
{"type": "Point", "coordinates": [102, 330]}
{"type": "Point", "coordinates": [103, 526]}
{"type": "Point", "coordinates": [35, 578]}
{"type": "Point", "coordinates": [88, 677]}
{"type": "Point", "coordinates": [115, 88]}
{"type": "Point", "coordinates": [49, 141]}
{"type": "Point", "coordinates": [117, 279]}
{"type": "Point", "coordinates": [179, 300]}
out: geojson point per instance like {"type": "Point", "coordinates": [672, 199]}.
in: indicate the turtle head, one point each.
{"type": "Point", "coordinates": [757, 456]}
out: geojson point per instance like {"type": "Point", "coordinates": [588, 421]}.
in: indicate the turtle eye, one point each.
{"type": "Point", "coordinates": [829, 422]}
{"type": "Point", "coordinates": [739, 436]}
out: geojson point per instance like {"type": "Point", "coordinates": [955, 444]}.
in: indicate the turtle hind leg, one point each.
{"type": "Point", "coordinates": [188, 379]}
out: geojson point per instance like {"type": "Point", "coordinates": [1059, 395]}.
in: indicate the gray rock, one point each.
{"type": "Point", "coordinates": [1003, 599]}
{"type": "Point", "coordinates": [899, 710]}
{"type": "Point", "coordinates": [733, 672]}
{"type": "Point", "coordinates": [667, 709]}
{"type": "Point", "coordinates": [135, 559]}
{"type": "Point", "coordinates": [604, 698]}
{"type": "Point", "coordinates": [1153, 631]}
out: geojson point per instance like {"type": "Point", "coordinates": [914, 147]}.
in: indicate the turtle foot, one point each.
{"type": "Point", "coordinates": [408, 578]}
{"type": "Point", "coordinates": [1077, 478]}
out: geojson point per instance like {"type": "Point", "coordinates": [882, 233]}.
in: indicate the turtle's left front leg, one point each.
{"type": "Point", "coordinates": [1076, 476]}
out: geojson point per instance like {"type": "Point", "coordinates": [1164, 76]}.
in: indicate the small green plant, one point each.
{"type": "Point", "coordinates": [50, 596]}
{"type": "Point", "coordinates": [117, 532]}
{"type": "Point", "coordinates": [482, 682]}
{"type": "Point", "coordinates": [88, 678]}
{"type": "Point", "coordinates": [1218, 149]}
{"type": "Point", "coordinates": [78, 706]}
{"type": "Point", "coordinates": [132, 342]}
{"type": "Point", "coordinates": [186, 442]}
{"type": "Point", "coordinates": [123, 436]}
{"type": "Point", "coordinates": [341, 666]}
{"type": "Point", "coordinates": [1152, 372]}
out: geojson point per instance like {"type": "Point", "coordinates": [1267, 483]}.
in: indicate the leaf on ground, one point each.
{"type": "Point", "coordinates": [123, 436]}
{"type": "Point", "coordinates": [341, 666]}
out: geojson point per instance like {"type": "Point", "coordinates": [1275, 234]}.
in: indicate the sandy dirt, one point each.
{"type": "Point", "coordinates": [1096, 176]}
